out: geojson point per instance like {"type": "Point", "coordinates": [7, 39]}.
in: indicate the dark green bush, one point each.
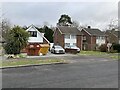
{"type": "Point", "coordinates": [16, 40]}
{"type": "Point", "coordinates": [116, 47]}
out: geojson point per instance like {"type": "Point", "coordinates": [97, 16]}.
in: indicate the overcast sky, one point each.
{"type": "Point", "coordinates": [96, 14]}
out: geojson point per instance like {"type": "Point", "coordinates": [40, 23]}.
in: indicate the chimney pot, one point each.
{"type": "Point", "coordinates": [89, 26]}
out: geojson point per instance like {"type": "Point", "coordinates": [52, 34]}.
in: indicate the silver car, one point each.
{"type": "Point", "coordinates": [57, 49]}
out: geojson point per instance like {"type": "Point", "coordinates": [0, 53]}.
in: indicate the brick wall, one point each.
{"type": "Point", "coordinates": [58, 38]}
{"type": "Point", "coordinates": [90, 41]}
{"type": "Point", "coordinates": [93, 43]}
{"type": "Point", "coordinates": [79, 41]}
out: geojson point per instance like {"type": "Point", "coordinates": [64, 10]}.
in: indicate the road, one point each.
{"type": "Point", "coordinates": [83, 72]}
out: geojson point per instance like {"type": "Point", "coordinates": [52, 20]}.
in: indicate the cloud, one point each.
{"type": "Point", "coordinates": [96, 14]}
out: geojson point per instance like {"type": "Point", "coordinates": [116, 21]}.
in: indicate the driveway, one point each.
{"type": "Point", "coordinates": [82, 72]}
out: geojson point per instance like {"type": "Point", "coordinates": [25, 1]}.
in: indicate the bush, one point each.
{"type": "Point", "coordinates": [103, 48]}
{"type": "Point", "coordinates": [116, 47]}
{"type": "Point", "coordinates": [16, 40]}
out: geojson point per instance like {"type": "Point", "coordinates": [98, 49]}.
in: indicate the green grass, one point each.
{"type": "Point", "coordinates": [114, 57]}
{"type": "Point", "coordinates": [95, 53]}
{"type": "Point", "coordinates": [28, 62]}
{"type": "Point", "coordinates": [99, 54]}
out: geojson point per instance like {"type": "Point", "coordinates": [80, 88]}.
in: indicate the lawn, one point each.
{"type": "Point", "coordinates": [100, 54]}
{"type": "Point", "coordinates": [95, 53]}
{"type": "Point", "coordinates": [10, 63]}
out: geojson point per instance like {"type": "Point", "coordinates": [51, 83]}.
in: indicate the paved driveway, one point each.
{"type": "Point", "coordinates": [83, 72]}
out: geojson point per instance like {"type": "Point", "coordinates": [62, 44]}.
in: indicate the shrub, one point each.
{"type": "Point", "coordinates": [116, 47]}
{"type": "Point", "coordinates": [16, 40]}
{"type": "Point", "coordinates": [103, 48]}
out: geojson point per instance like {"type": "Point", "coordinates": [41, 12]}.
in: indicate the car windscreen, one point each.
{"type": "Point", "coordinates": [73, 46]}
{"type": "Point", "coordinates": [58, 47]}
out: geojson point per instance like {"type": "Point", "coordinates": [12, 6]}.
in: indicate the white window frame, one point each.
{"type": "Point", "coordinates": [74, 44]}
{"type": "Point", "coordinates": [67, 44]}
{"type": "Point", "coordinates": [73, 36]}
{"type": "Point", "coordinates": [67, 36]}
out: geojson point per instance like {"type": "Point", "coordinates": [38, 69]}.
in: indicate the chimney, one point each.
{"type": "Point", "coordinates": [89, 26]}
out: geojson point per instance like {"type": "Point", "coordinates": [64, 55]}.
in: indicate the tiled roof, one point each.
{"type": "Point", "coordinates": [95, 32]}
{"type": "Point", "coordinates": [69, 30]}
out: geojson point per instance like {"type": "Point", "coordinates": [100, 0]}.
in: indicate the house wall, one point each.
{"type": "Point", "coordinates": [87, 43]}
{"type": "Point", "coordinates": [37, 39]}
{"type": "Point", "coordinates": [100, 41]}
{"type": "Point", "coordinates": [58, 38]}
{"type": "Point", "coordinates": [70, 40]}
{"type": "Point", "coordinates": [93, 43]}
{"type": "Point", "coordinates": [79, 41]}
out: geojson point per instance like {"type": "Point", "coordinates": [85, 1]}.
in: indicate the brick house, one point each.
{"type": "Point", "coordinates": [113, 36]}
{"type": "Point", "coordinates": [67, 35]}
{"type": "Point", "coordinates": [36, 38]}
{"type": "Point", "coordinates": [92, 38]}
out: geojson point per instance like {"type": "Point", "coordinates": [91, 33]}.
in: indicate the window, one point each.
{"type": "Point", "coordinates": [102, 37]}
{"type": "Point", "coordinates": [74, 44]}
{"type": "Point", "coordinates": [67, 44]}
{"type": "Point", "coordinates": [98, 37]}
{"type": "Point", "coordinates": [84, 37]}
{"type": "Point", "coordinates": [33, 33]}
{"type": "Point", "coordinates": [73, 36]}
{"type": "Point", "coordinates": [67, 36]}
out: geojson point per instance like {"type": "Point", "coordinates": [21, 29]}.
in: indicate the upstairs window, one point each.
{"type": "Point", "coordinates": [103, 38]}
{"type": "Point", "coordinates": [73, 36]}
{"type": "Point", "coordinates": [33, 33]}
{"type": "Point", "coordinates": [84, 37]}
{"type": "Point", "coordinates": [100, 37]}
{"type": "Point", "coordinates": [67, 36]}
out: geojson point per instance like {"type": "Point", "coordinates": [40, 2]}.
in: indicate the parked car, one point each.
{"type": "Point", "coordinates": [57, 49]}
{"type": "Point", "coordinates": [73, 47]}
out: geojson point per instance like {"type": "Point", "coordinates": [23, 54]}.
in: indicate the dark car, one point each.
{"type": "Point", "coordinates": [73, 47]}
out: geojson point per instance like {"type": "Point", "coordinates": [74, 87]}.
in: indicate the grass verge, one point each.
{"type": "Point", "coordinates": [100, 54]}
{"type": "Point", "coordinates": [15, 63]}
{"type": "Point", "coordinates": [95, 53]}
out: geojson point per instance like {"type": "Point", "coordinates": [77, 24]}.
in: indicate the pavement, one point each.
{"type": "Point", "coordinates": [82, 72]}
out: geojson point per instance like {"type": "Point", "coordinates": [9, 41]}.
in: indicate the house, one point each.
{"type": "Point", "coordinates": [92, 38]}
{"type": "Point", "coordinates": [67, 35]}
{"type": "Point", "coordinates": [113, 36]}
{"type": "Point", "coordinates": [36, 38]}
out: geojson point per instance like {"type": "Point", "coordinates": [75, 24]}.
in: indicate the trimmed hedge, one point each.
{"type": "Point", "coordinates": [116, 47]}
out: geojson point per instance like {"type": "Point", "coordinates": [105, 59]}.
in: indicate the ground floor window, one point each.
{"type": "Point", "coordinates": [74, 44]}
{"type": "Point", "coordinates": [67, 44]}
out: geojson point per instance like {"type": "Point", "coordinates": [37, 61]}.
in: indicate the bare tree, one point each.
{"type": "Point", "coordinates": [6, 26]}
{"type": "Point", "coordinates": [75, 23]}
{"type": "Point", "coordinates": [113, 24]}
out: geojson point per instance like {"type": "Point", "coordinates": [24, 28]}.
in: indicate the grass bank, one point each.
{"type": "Point", "coordinates": [15, 63]}
{"type": "Point", "coordinates": [99, 54]}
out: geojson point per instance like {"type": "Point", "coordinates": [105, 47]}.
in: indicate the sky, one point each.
{"type": "Point", "coordinates": [94, 14]}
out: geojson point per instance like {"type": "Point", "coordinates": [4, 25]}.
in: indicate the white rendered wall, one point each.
{"type": "Point", "coordinates": [100, 41]}
{"type": "Point", "coordinates": [38, 39]}
{"type": "Point", "coordinates": [71, 40]}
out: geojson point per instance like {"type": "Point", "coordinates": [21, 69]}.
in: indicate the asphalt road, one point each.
{"type": "Point", "coordinates": [83, 72]}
